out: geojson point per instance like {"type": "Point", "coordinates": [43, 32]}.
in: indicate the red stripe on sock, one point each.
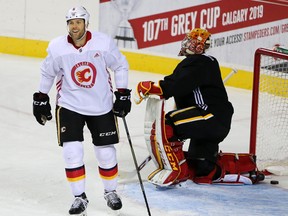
{"type": "Point", "coordinates": [108, 173]}
{"type": "Point", "coordinates": [75, 172]}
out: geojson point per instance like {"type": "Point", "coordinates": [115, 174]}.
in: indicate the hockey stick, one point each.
{"type": "Point", "coordinates": [234, 71]}
{"type": "Point", "coordinates": [148, 158]}
{"type": "Point", "coordinates": [143, 164]}
{"type": "Point", "coordinates": [136, 165]}
{"type": "Point", "coordinates": [131, 174]}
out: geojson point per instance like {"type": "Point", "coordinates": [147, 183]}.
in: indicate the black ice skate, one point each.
{"type": "Point", "coordinates": [79, 205]}
{"type": "Point", "coordinates": [113, 200]}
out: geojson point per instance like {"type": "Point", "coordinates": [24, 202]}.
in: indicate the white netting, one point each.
{"type": "Point", "coordinates": [272, 121]}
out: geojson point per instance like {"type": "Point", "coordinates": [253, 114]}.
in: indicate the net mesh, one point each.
{"type": "Point", "coordinates": [272, 121]}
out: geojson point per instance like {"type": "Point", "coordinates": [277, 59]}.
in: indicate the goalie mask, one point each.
{"type": "Point", "coordinates": [195, 42]}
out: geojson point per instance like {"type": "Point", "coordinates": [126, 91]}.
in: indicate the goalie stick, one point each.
{"type": "Point", "coordinates": [148, 158]}
{"type": "Point", "coordinates": [124, 175]}
{"type": "Point", "coordinates": [234, 71]}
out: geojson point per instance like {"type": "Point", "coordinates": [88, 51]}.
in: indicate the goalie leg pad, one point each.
{"type": "Point", "coordinates": [176, 170]}
{"type": "Point", "coordinates": [184, 172]}
{"type": "Point", "coordinates": [206, 179]}
{"type": "Point", "coordinates": [153, 109]}
{"type": "Point", "coordinates": [236, 169]}
{"type": "Point", "coordinates": [242, 165]}
{"type": "Point", "coordinates": [172, 168]}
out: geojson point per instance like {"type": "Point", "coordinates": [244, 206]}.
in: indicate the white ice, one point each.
{"type": "Point", "coordinates": [33, 182]}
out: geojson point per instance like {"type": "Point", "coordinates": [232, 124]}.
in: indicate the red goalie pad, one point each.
{"type": "Point", "coordinates": [242, 164]}
{"type": "Point", "coordinates": [167, 156]}
{"type": "Point", "coordinates": [236, 168]}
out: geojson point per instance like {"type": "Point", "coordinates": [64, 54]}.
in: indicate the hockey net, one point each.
{"type": "Point", "coordinates": [269, 116]}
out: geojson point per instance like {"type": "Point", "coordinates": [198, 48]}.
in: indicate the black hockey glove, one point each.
{"type": "Point", "coordinates": [41, 108]}
{"type": "Point", "coordinates": [122, 104]}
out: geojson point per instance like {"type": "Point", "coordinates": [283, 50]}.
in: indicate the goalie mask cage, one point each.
{"type": "Point", "coordinates": [269, 114]}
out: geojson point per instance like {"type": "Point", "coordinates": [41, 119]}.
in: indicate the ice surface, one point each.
{"type": "Point", "coordinates": [33, 181]}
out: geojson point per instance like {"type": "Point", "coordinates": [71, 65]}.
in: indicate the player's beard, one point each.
{"type": "Point", "coordinates": [77, 36]}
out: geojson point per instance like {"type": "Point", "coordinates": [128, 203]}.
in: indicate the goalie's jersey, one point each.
{"type": "Point", "coordinates": [197, 81]}
{"type": "Point", "coordinates": [83, 80]}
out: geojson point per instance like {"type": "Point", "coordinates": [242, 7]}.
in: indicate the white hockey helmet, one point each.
{"type": "Point", "coordinates": [195, 42]}
{"type": "Point", "coordinates": [78, 13]}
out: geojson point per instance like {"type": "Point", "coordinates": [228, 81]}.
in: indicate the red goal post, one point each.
{"type": "Point", "coordinates": [269, 112]}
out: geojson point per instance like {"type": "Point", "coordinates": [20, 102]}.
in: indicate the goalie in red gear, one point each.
{"type": "Point", "coordinates": [203, 112]}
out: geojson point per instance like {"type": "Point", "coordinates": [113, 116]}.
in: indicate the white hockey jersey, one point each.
{"type": "Point", "coordinates": [83, 82]}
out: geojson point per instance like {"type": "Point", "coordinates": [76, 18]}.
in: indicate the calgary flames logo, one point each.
{"type": "Point", "coordinates": [84, 74]}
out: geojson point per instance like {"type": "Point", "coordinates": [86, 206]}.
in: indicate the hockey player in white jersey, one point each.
{"type": "Point", "coordinates": [78, 63]}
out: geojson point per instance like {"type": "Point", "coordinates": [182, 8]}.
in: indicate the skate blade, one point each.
{"type": "Point", "coordinates": [114, 212]}
{"type": "Point", "coordinates": [81, 214]}
{"type": "Point", "coordinates": [117, 213]}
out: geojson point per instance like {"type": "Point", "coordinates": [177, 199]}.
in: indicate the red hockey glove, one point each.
{"type": "Point", "coordinates": [144, 89]}
{"type": "Point", "coordinates": [41, 108]}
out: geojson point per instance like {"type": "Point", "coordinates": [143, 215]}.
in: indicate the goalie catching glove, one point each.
{"type": "Point", "coordinates": [146, 88]}
{"type": "Point", "coordinates": [41, 108]}
{"type": "Point", "coordinates": [122, 104]}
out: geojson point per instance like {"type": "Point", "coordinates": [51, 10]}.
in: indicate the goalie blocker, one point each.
{"type": "Point", "coordinates": [174, 166]}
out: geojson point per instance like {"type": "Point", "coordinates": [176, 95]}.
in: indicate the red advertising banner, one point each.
{"type": "Point", "coordinates": [216, 17]}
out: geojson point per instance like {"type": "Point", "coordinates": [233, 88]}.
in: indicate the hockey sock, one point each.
{"type": "Point", "coordinates": [75, 169]}
{"type": "Point", "coordinates": [76, 179]}
{"type": "Point", "coordinates": [108, 167]}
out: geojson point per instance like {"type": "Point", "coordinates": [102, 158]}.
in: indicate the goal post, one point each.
{"type": "Point", "coordinates": [269, 112]}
